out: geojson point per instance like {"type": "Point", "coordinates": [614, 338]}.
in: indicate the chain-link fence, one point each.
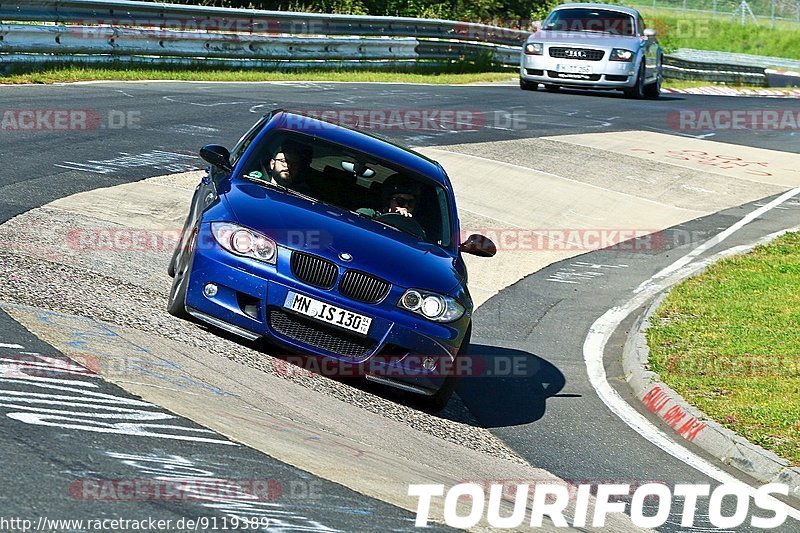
{"type": "Point", "coordinates": [745, 11]}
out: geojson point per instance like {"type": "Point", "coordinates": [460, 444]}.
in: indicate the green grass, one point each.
{"type": "Point", "coordinates": [71, 74]}
{"type": "Point", "coordinates": [728, 340]}
{"type": "Point", "coordinates": [694, 84]}
{"type": "Point", "coordinates": [703, 32]}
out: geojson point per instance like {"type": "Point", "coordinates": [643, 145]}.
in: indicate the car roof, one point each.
{"type": "Point", "coordinates": [609, 7]}
{"type": "Point", "coordinates": [359, 140]}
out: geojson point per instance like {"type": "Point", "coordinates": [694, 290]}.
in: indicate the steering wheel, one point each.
{"type": "Point", "coordinates": [404, 223]}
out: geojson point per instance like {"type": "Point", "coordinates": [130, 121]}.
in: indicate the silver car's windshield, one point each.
{"type": "Point", "coordinates": [590, 20]}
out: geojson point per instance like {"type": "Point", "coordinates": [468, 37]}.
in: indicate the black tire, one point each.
{"type": "Point", "coordinates": [528, 85]}
{"type": "Point", "coordinates": [440, 398]}
{"type": "Point", "coordinates": [176, 304]}
{"type": "Point", "coordinates": [653, 90]}
{"type": "Point", "coordinates": [173, 261]}
{"type": "Point", "coordinates": [637, 91]}
{"type": "Point", "coordinates": [171, 266]}
{"type": "Point", "coordinates": [552, 88]}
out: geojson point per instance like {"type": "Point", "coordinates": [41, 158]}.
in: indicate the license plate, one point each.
{"type": "Point", "coordinates": [574, 69]}
{"type": "Point", "coordinates": [330, 314]}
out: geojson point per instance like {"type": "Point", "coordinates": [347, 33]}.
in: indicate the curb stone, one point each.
{"type": "Point", "coordinates": [691, 423]}
{"type": "Point", "coordinates": [715, 90]}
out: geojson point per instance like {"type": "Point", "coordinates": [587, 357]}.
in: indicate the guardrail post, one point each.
{"type": "Point", "coordinates": [772, 16]}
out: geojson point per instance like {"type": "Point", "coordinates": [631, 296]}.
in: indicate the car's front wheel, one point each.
{"type": "Point", "coordinates": [176, 305]}
{"type": "Point", "coordinates": [637, 91]}
{"type": "Point", "coordinates": [528, 85]}
{"type": "Point", "coordinates": [653, 90]}
{"type": "Point", "coordinates": [440, 398]}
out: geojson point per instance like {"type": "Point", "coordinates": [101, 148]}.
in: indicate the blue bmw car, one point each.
{"type": "Point", "coordinates": [334, 244]}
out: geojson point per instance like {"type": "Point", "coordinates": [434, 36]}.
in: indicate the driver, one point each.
{"type": "Point", "coordinates": [400, 196]}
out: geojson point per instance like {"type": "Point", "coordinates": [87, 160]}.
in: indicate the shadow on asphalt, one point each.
{"type": "Point", "coordinates": [613, 94]}
{"type": "Point", "coordinates": [508, 387]}
{"type": "Point", "coordinates": [498, 387]}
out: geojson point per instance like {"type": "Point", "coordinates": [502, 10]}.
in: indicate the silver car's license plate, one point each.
{"type": "Point", "coordinates": [574, 69]}
{"type": "Point", "coordinates": [327, 313]}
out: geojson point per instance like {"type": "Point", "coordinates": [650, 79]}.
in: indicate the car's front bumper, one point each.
{"type": "Point", "coordinates": [249, 302]}
{"type": "Point", "coordinates": [603, 74]}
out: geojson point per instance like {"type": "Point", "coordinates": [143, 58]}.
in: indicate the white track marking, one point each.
{"type": "Point", "coordinates": [602, 329]}
{"type": "Point", "coordinates": [15, 346]}
{"type": "Point", "coordinates": [175, 100]}
{"type": "Point", "coordinates": [718, 238]}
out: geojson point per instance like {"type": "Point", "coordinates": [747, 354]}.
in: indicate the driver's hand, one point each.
{"type": "Point", "coordinates": [401, 211]}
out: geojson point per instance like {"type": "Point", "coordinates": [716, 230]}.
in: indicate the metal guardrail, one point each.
{"type": "Point", "coordinates": [147, 14]}
{"type": "Point", "coordinates": [90, 40]}
{"type": "Point", "coordinates": [130, 32]}
{"type": "Point", "coordinates": [682, 69]}
{"type": "Point", "coordinates": [729, 58]}
{"type": "Point", "coordinates": [82, 30]}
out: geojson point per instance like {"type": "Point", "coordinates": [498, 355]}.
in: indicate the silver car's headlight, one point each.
{"type": "Point", "coordinates": [620, 54]}
{"type": "Point", "coordinates": [431, 305]}
{"type": "Point", "coordinates": [245, 242]}
{"type": "Point", "coordinates": [534, 49]}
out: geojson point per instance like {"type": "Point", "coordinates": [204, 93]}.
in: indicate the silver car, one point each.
{"type": "Point", "coordinates": [593, 46]}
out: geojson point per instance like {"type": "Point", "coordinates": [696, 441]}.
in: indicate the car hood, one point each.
{"type": "Point", "coordinates": [328, 231]}
{"type": "Point", "coordinates": [595, 40]}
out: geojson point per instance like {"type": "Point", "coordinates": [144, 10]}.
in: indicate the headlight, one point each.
{"type": "Point", "coordinates": [620, 54]}
{"type": "Point", "coordinates": [431, 305]}
{"type": "Point", "coordinates": [245, 242]}
{"type": "Point", "coordinates": [534, 49]}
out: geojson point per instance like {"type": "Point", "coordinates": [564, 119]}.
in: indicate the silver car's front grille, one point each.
{"type": "Point", "coordinates": [570, 76]}
{"type": "Point", "coordinates": [363, 287]}
{"type": "Point", "coordinates": [583, 54]}
{"type": "Point", "coordinates": [314, 270]}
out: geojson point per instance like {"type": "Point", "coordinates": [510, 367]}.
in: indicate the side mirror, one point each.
{"type": "Point", "coordinates": [650, 32]}
{"type": "Point", "coordinates": [478, 245]}
{"type": "Point", "coordinates": [217, 155]}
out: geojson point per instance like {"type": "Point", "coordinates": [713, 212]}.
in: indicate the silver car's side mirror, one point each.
{"type": "Point", "coordinates": [650, 32]}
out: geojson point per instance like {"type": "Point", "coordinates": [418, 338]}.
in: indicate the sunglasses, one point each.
{"type": "Point", "coordinates": [404, 201]}
{"type": "Point", "coordinates": [287, 161]}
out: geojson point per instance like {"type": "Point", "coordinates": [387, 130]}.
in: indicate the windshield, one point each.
{"type": "Point", "coordinates": [590, 20]}
{"type": "Point", "coordinates": [354, 181]}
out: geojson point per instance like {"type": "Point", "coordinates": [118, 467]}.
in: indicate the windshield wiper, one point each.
{"type": "Point", "coordinates": [375, 218]}
{"type": "Point", "coordinates": [281, 188]}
